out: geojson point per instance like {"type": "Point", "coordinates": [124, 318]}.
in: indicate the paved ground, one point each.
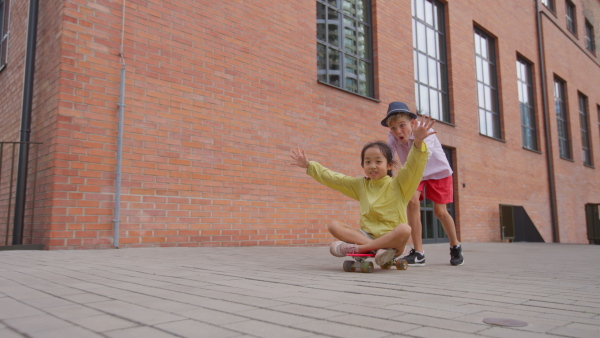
{"type": "Point", "coordinates": [298, 292]}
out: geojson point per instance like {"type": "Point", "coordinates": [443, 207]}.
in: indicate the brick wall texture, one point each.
{"type": "Point", "coordinates": [218, 92]}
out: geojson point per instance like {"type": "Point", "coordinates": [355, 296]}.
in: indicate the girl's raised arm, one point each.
{"type": "Point", "coordinates": [300, 159]}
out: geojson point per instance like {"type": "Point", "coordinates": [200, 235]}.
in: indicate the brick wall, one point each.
{"type": "Point", "coordinates": [218, 93]}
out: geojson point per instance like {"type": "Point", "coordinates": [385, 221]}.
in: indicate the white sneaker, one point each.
{"type": "Point", "coordinates": [340, 249]}
{"type": "Point", "coordinates": [384, 256]}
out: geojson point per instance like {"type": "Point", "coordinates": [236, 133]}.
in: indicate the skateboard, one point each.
{"type": "Point", "coordinates": [362, 263]}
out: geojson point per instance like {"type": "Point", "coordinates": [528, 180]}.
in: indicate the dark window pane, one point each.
{"type": "Point", "coordinates": [322, 62]}
{"type": "Point", "coordinates": [344, 48]}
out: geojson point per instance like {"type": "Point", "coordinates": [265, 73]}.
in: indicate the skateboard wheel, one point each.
{"type": "Point", "coordinates": [387, 265]}
{"type": "Point", "coordinates": [366, 267]}
{"type": "Point", "coordinates": [401, 264]}
{"type": "Point", "coordinates": [349, 266]}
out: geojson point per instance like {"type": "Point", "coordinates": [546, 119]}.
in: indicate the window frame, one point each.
{"type": "Point", "coordinates": [571, 16]}
{"type": "Point", "coordinates": [4, 32]}
{"type": "Point", "coordinates": [491, 111]}
{"type": "Point", "coordinates": [549, 4]}
{"type": "Point", "coordinates": [324, 47]}
{"type": "Point", "coordinates": [429, 32]}
{"type": "Point", "coordinates": [590, 37]}
{"type": "Point", "coordinates": [586, 146]}
{"type": "Point", "coordinates": [527, 109]}
{"type": "Point", "coordinates": [562, 121]}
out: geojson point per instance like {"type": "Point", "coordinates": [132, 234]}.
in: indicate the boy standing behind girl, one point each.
{"type": "Point", "coordinates": [437, 178]}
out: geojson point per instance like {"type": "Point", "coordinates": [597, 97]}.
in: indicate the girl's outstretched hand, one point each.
{"type": "Point", "coordinates": [300, 159]}
{"type": "Point", "coordinates": [423, 129]}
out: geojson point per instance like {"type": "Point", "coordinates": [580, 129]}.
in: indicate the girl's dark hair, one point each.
{"type": "Point", "coordinates": [385, 150]}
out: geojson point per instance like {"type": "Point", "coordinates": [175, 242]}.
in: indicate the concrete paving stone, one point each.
{"type": "Point", "coordinates": [584, 326]}
{"type": "Point", "coordinates": [451, 306]}
{"type": "Point", "coordinates": [450, 324]}
{"type": "Point", "coordinates": [365, 320]}
{"type": "Point", "coordinates": [274, 317]}
{"type": "Point", "coordinates": [168, 305]}
{"type": "Point", "coordinates": [84, 298]}
{"type": "Point", "coordinates": [570, 317]}
{"type": "Point", "coordinates": [47, 302]}
{"type": "Point", "coordinates": [137, 332]}
{"type": "Point", "coordinates": [71, 331]}
{"type": "Point", "coordinates": [433, 332]}
{"type": "Point", "coordinates": [135, 313]}
{"type": "Point", "coordinates": [21, 292]}
{"type": "Point", "coordinates": [309, 301]}
{"type": "Point", "coordinates": [373, 310]}
{"type": "Point", "coordinates": [69, 312]}
{"type": "Point", "coordinates": [102, 323]}
{"type": "Point", "coordinates": [267, 330]}
{"type": "Point", "coordinates": [535, 323]}
{"type": "Point", "coordinates": [574, 332]}
{"type": "Point", "coordinates": [10, 308]}
{"type": "Point", "coordinates": [136, 298]}
{"type": "Point", "coordinates": [507, 332]}
{"type": "Point", "coordinates": [588, 303]}
{"type": "Point", "coordinates": [191, 328]}
{"type": "Point", "coordinates": [330, 328]}
{"type": "Point", "coordinates": [61, 291]}
{"type": "Point", "coordinates": [8, 333]}
{"type": "Point", "coordinates": [547, 310]}
{"type": "Point", "coordinates": [230, 307]}
{"type": "Point", "coordinates": [483, 302]}
{"type": "Point", "coordinates": [212, 316]}
{"type": "Point", "coordinates": [32, 324]}
{"type": "Point", "coordinates": [495, 280]}
{"type": "Point", "coordinates": [402, 309]}
{"type": "Point", "coordinates": [236, 297]}
{"type": "Point", "coordinates": [553, 305]}
{"type": "Point", "coordinates": [307, 311]}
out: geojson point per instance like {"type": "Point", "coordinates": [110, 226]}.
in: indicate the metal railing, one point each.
{"type": "Point", "coordinates": [8, 172]}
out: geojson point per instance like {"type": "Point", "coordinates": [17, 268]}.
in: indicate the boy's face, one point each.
{"type": "Point", "coordinates": [375, 164]}
{"type": "Point", "coordinates": [402, 128]}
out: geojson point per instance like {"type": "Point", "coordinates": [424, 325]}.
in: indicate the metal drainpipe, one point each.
{"type": "Point", "coordinates": [120, 139]}
{"type": "Point", "coordinates": [21, 185]}
{"type": "Point", "coordinates": [550, 163]}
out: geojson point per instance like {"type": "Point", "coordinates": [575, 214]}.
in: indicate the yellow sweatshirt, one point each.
{"type": "Point", "coordinates": [382, 202]}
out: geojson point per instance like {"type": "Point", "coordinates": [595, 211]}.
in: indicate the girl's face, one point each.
{"type": "Point", "coordinates": [375, 164]}
{"type": "Point", "coordinates": [402, 128]}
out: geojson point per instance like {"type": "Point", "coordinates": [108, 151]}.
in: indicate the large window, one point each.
{"type": "Point", "coordinates": [526, 106]}
{"type": "Point", "coordinates": [429, 46]}
{"type": "Point", "coordinates": [590, 39]}
{"type": "Point", "coordinates": [344, 45]}
{"type": "Point", "coordinates": [549, 4]}
{"type": "Point", "coordinates": [3, 32]}
{"type": "Point", "coordinates": [584, 126]}
{"type": "Point", "coordinates": [570, 14]}
{"type": "Point", "coordinates": [564, 142]}
{"type": "Point", "coordinates": [487, 91]}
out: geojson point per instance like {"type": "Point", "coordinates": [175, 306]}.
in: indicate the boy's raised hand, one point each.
{"type": "Point", "coordinates": [423, 129]}
{"type": "Point", "coordinates": [300, 159]}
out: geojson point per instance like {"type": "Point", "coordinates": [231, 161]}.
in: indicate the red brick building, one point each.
{"type": "Point", "coordinates": [217, 93]}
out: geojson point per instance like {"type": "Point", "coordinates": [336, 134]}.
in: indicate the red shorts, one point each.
{"type": "Point", "coordinates": [439, 191]}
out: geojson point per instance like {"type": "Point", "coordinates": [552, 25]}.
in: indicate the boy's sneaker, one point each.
{"type": "Point", "coordinates": [415, 258]}
{"type": "Point", "coordinates": [340, 249]}
{"type": "Point", "coordinates": [456, 257]}
{"type": "Point", "coordinates": [384, 256]}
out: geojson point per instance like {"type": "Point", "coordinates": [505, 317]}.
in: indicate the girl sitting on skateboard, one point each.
{"type": "Point", "coordinates": [383, 199]}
